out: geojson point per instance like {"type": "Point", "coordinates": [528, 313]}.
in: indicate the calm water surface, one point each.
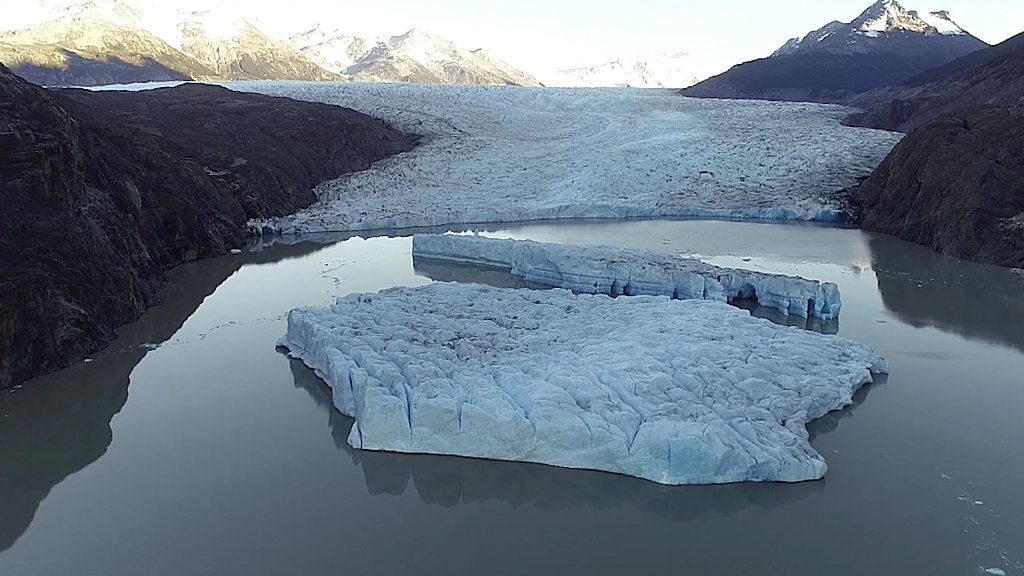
{"type": "Point", "coordinates": [193, 446]}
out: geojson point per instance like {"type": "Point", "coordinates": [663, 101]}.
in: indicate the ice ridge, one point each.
{"type": "Point", "coordinates": [621, 271]}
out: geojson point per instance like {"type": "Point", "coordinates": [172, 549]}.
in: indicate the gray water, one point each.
{"type": "Point", "coordinates": [193, 446]}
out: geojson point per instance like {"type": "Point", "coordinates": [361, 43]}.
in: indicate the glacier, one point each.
{"type": "Point", "coordinates": [506, 154]}
{"type": "Point", "coordinates": [621, 271]}
{"type": "Point", "coordinates": [673, 391]}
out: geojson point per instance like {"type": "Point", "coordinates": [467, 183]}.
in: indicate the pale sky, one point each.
{"type": "Point", "coordinates": [552, 34]}
{"type": "Point", "coordinates": [544, 35]}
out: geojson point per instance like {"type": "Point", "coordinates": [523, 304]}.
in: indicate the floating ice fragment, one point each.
{"type": "Point", "coordinates": [674, 391]}
{"type": "Point", "coordinates": [995, 571]}
{"type": "Point", "coordinates": [617, 271]}
{"type": "Point", "coordinates": [236, 251]}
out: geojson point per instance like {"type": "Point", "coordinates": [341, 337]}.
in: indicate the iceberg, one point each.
{"type": "Point", "coordinates": [673, 391]}
{"type": "Point", "coordinates": [622, 271]}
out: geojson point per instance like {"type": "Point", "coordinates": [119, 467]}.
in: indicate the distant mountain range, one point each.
{"type": "Point", "coordinates": [93, 42]}
{"type": "Point", "coordinates": [415, 56]}
{"type": "Point", "coordinates": [885, 45]}
{"type": "Point", "coordinates": [662, 71]}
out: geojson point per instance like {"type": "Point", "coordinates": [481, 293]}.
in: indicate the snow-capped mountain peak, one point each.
{"type": "Point", "coordinates": [942, 22]}
{"type": "Point", "coordinates": [882, 18]}
{"type": "Point", "coordinates": [417, 56]}
{"type": "Point", "coordinates": [888, 15]}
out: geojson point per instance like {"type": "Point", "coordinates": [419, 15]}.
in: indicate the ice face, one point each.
{"type": "Point", "coordinates": [674, 391]}
{"type": "Point", "coordinates": [617, 271]}
{"type": "Point", "coordinates": [495, 154]}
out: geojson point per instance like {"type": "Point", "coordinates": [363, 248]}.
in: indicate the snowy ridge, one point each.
{"type": "Point", "coordinates": [495, 154]}
{"type": "Point", "coordinates": [663, 71]}
{"type": "Point", "coordinates": [616, 271]}
{"type": "Point", "coordinates": [413, 56]}
{"type": "Point", "coordinates": [879, 19]}
{"type": "Point", "coordinates": [674, 391]}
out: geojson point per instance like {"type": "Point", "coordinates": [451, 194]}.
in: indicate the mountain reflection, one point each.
{"type": "Point", "coordinates": [452, 480]}
{"type": "Point", "coordinates": [60, 423]}
{"type": "Point", "coordinates": [975, 301]}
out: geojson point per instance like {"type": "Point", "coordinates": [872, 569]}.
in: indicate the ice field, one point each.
{"type": "Point", "coordinates": [493, 154]}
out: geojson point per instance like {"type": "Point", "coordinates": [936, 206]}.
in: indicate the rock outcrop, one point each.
{"type": "Point", "coordinates": [104, 192]}
{"type": "Point", "coordinates": [956, 185]}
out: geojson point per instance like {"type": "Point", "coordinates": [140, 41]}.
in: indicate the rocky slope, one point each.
{"type": "Point", "coordinates": [885, 45]}
{"type": "Point", "coordinates": [956, 185]}
{"type": "Point", "coordinates": [990, 77]}
{"type": "Point", "coordinates": [104, 192]}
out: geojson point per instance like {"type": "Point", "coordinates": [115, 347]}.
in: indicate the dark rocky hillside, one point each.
{"type": "Point", "coordinates": [990, 77]}
{"type": "Point", "coordinates": [104, 192]}
{"type": "Point", "coordinates": [956, 185]}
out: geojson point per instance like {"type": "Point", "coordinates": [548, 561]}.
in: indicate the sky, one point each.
{"type": "Point", "coordinates": [546, 35]}
{"type": "Point", "coordinates": [553, 34]}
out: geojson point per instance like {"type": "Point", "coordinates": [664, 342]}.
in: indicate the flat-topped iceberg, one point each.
{"type": "Point", "coordinates": [617, 271]}
{"type": "Point", "coordinates": [674, 391]}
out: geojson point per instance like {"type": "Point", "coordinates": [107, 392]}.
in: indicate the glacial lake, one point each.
{"type": "Point", "coordinates": [193, 446]}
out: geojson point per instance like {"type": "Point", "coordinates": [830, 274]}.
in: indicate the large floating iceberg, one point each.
{"type": "Point", "coordinates": [496, 154]}
{"type": "Point", "coordinates": [618, 271]}
{"type": "Point", "coordinates": [674, 391]}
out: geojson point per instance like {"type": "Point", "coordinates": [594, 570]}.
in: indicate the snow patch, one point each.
{"type": "Point", "coordinates": [621, 271]}
{"type": "Point", "coordinates": [674, 391]}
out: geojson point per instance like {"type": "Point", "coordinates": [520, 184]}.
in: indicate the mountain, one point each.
{"type": "Point", "coordinates": [91, 42]}
{"type": "Point", "coordinates": [956, 185]}
{"type": "Point", "coordinates": [679, 70]}
{"type": "Point", "coordinates": [105, 191]}
{"type": "Point", "coordinates": [415, 56]}
{"type": "Point", "coordinates": [75, 51]}
{"type": "Point", "coordinates": [118, 41]}
{"type": "Point", "coordinates": [990, 77]}
{"type": "Point", "coordinates": [236, 50]}
{"type": "Point", "coordinates": [885, 45]}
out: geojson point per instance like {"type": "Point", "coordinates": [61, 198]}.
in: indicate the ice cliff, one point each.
{"type": "Point", "coordinates": [617, 271]}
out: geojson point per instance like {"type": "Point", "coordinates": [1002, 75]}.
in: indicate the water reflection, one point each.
{"type": "Point", "coordinates": [830, 422]}
{"type": "Point", "coordinates": [60, 423]}
{"type": "Point", "coordinates": [975, 301]}
{"type": "Point", "coordinates": [451, 481]}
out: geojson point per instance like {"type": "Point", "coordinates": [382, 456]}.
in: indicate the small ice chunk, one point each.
{"type": "Point", "coordinates": [995, 571]}
{"type": "Point", "coordinates": [236, 251]}
{"type": "Point", "coordinates": [674, 391]}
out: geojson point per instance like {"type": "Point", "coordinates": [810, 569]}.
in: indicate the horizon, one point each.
{"type": "Point", "coordinates": [573, 33]}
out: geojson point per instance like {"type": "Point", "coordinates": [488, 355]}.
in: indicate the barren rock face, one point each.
{"type": "Point", "coordinates": [956, 185]}
{"type": "Point", "coordinates": [105, 192]}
